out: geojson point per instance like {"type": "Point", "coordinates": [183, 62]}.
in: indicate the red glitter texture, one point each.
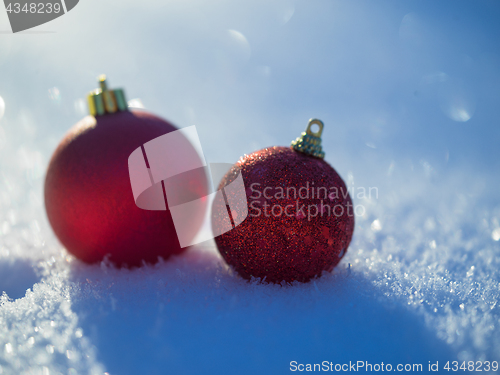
{"type": "Point", "coordinates": [88, 195]}
{"type": "Point", "coordinates": [296, 245]}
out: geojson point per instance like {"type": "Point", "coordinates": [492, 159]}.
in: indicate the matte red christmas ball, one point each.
{"type": "Point", "coordinates": [299, 215]}
{"type": "Point", "coordinates": [88, 194]}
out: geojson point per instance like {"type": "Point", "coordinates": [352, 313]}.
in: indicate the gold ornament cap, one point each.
{"type": "Point", "coordinates": [102, 100]}
{"type": "Point", "coordinates": [309, 142]}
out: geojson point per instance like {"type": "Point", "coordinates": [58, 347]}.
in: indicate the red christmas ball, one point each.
{"type": "Point", "coordinates": [88, 194]}
{"type": "Point", "coordinates": [300, 216]}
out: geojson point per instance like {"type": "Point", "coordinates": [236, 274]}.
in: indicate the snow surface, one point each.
{"type": "Point", "coordinates": [409, 95]}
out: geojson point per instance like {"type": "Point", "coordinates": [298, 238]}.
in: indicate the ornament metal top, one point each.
{"type": "Point", "coordinates": [102, 100]}
{"type": "Point", "coordinates": [309, 142]}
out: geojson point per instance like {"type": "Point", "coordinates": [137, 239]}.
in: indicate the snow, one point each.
{"type": "Point", "coordinates": [408, 92]}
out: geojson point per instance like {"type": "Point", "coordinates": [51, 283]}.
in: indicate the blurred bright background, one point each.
{"type": "Point", "coordinates": [409, 92]}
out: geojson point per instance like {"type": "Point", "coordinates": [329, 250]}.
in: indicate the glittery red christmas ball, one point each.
{"type": "Point", "coordinates": [300, 216]}
{"type": "Point", "coordinates": [88, 194]}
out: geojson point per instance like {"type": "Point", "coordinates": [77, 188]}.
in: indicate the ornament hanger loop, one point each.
{"type": "Point", "coordinates": [312, 122]}
{"type": "Point", "coordinates": [309, 141]}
